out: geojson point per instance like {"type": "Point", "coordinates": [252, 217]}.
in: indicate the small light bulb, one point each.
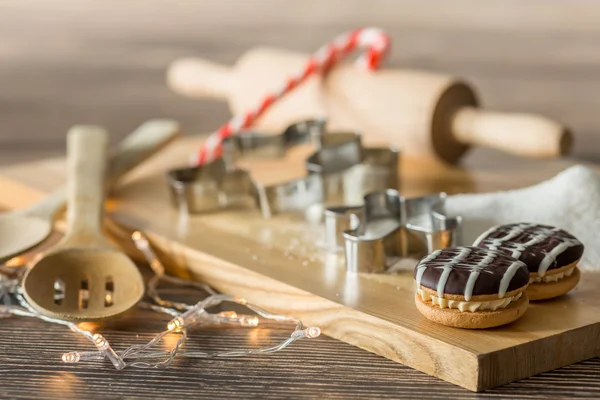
{"type": "Point", "coordinates": [137, 235]}
{"type": "Point", "coordinates": [17, 261]}
{"type": "Point", "coordinates": [308, 333]}
{"type": "Point", "coordinates": [240, 300]}
{"type": "Point", "coordinates": [313, 332]}
{"type": "Point", "coordinates": [143, 245]}
{"type": "Point", "coordinates": [175, 324]}
{"type": "Point", "coordinates": [72, 357]}
{"type": "Point", "coordinates": [250, 321]}
{"type": "Point", "coordinates": [103, 346]}
{"type": "Point", "coordinates": [100, 342]}
{"type": "Point", "coordinates": [228, 314]}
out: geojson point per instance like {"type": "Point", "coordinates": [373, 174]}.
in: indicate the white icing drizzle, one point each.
{"type": "Point", "coordinates": [443, 280]}
{"type": "Point", "coordinates": [521, 247]}
{"type": "Point", "coordinates": [549, 258]}
{"type": "Point", "coordinates": [432, 256]}
{"type": "Point", "coordinates": [508, 275]}
{"type": "Point", "coordinates": [471, 284]}
{"type": "Point", "coordinates": [459, 261]}
{"type": "Point", "coordinates": [485, 234]}
{"type": "Point", "coordinates": [512, 233]}
{"type": "Point", "coordinates": [447, 268]}
{"type": "Point", "coordinates": [475, 271]}
{"type": "Point", "coordinates": [420, 271]}
{"type": "Point", "coordinates": [421, 267]}
{"type": "Point", "coordinates": [538, 235]}
{"type": "Point", "coordinates": [496, 242]}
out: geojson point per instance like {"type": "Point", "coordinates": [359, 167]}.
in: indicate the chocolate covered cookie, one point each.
{"type": "Point", "coordinates": [551, 255]}
{"type": "Point", "coordinates": [471, 287]}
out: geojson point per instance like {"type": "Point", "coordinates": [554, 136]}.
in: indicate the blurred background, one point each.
{"type": "Point", "coordinates": [103, 61]}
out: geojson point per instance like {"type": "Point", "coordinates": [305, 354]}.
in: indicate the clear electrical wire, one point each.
{"type": "Point", "coordinates": [183, 317]}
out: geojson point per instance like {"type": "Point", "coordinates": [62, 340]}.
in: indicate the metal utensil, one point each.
{"type": "Point", "coordinates": [389, 226]}
{"type": "Point", "coordinates": [341, 168]}
{"type": "Point", "coordinates": [84, 277]}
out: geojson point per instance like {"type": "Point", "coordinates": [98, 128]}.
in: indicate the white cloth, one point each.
{"type": "Point", "coordinates": [570, 201]}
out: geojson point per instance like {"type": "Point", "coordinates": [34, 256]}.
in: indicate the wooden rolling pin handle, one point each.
{"type": "Point", "coordinates": [521, 134]}
{"type": "Point", "coordinates": [194, 77]}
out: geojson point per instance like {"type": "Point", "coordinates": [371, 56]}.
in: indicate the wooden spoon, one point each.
{"type": "Point", "coordinates": [23, 229]}
{"type": "Point", "coordinates": [84, 277]}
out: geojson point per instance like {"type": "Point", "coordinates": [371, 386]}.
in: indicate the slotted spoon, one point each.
{"type": "Point", "coordinates": [84, 277]}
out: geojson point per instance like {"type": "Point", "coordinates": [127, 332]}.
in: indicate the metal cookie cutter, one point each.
{"type": "Point", "coordinates": [213, 187]}
{"type": "Point", "coordinates": [350, 171]}
{"type": "Point", "coordinates": [389, 226]}
{"type": "Point", "coordinates": [340, 169]}
{"type": "Point", "coordinates": [210, 187]}
{"type": "Point", "coordinates": [257, 144]}
{"type": "Point", "coordinates": [220, 184]}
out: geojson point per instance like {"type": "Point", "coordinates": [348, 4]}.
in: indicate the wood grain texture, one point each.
{"type": "Point", "coordinates": [67, 62]}
{"type": "Point", "coordinates": [278, 265]}
{"type": "Point", "coordinates": [316, 368]}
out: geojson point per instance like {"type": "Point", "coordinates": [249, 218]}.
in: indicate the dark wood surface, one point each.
{"type": "Point", "coordinates": [30, 351]}
{"type": "Point", "coordinates": [83, 61]}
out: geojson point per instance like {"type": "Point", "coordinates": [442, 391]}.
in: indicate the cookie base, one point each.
{"type": "Point", "coordinates": [473, 320]}
{"type": "Point", "coordinates": [550, 290]}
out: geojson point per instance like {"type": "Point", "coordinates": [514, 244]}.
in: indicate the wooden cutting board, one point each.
{"type": "Point", "coordinates": [279, 265]}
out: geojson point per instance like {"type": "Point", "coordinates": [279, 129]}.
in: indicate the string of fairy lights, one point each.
{"type": "Point", "coordinates": [184, 317]}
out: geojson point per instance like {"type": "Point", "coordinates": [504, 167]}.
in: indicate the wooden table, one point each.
{"type": "Point", "coordinates": [102, 62]}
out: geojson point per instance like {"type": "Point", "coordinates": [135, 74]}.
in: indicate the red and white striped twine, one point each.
{"type": "Point", "coordinates": [374, 40]}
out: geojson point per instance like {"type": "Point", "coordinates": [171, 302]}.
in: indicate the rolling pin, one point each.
{"type": "Point", "coordinates": [423, 114]}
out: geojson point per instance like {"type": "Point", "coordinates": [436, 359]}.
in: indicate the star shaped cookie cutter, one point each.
{"type": "Point", "coordinates": [389, 226]}
{"type": "Point", "coordinates": [340, 168]}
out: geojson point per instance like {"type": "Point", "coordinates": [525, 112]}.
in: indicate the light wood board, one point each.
{"type": "Point", "coordinates": [278, 264]}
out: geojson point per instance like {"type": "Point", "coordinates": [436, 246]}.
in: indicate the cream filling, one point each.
{"type": "Point", "coordinates": [552, 277]}
{"type": "Point", "coordinates": [470, 306]}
